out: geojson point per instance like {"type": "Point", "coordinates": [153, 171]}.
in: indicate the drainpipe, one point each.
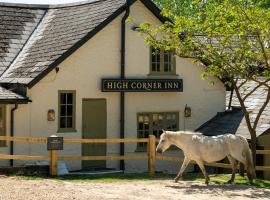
{"type": "Point", "coordinates": [12, 133]}
{"type": "Point", "coordinates": [230, 101]}
{"type": "Point", "coordinates": [122, 94]}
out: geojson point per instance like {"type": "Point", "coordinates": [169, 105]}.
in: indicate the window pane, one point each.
{"type": "Point", "coordinates": [166, 57]}
{"type": "Point", "coordinates": [69, 122]}
{"type": "Point", "coordinates": [166, 67]}
{"type": "Point", "coordinates": [62, 122]}
{"type": "Point", "coordinates": [146, 126]}
{"type": "Point", "coordinates": [155, 59]}
{"type": "Point", "coordinates": [63, 98]}
{"type": "Point", "coordinates": [158, 55]}
{"type": "Point", "coordinates": [140, 126]}
{"type": "Point", "coordinates": [140, 134]}
{"type": "Point", "coordinates": [146, 134]}
{"type": "Point", "coordinates": [69, 110]}
{"type": "Point", "coordinates": [140, 118]}
{"type": "Point", "coordinates": [158, 67]}
{"type": "Point", "coordinates": [154, 68]}
{"type": "Point", "coordinates": [146, 119]}
{"type": "Point", "coordinates": [69, 98]}
{"type": "Point", "coordinates": [62, 110]}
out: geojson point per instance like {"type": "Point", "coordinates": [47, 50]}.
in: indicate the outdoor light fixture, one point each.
{"type": "Point", "coordinates": [187, 111]}
{"type": "Point", "coordinates": [135, 28]}
{"type": "Point", "coordinates": [51, 115]}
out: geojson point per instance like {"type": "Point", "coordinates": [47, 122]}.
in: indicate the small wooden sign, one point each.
{"type": "Point", "coordinates": [55, 143]}
{"type": "Point", "coordinates": [142, 85]}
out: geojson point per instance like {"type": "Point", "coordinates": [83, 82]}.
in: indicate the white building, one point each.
{"type": "Point", "coordinates": [53, 60]}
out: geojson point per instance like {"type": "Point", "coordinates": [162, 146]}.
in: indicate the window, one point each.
{"type": "Point", "coordinates": [153, 123]}
{"type": "Point", "coordinates": [66, 116]}
{"type": "Point", "coordinates": [2, 124]}
{"type": "Point", "coordinates": [162, 62]}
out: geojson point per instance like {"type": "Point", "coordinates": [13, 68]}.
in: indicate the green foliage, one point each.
{"type": "Point", "coordinates": [230, 36]}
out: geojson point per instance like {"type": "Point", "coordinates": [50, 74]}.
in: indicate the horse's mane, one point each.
{"type": "Point", "coordinates": [182, 132]}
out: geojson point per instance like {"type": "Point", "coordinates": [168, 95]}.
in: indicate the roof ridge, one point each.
{"type": "Point", "coordinates": [48, 6]}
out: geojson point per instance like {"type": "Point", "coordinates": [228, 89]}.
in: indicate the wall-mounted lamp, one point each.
{"type": "Point", "coordinates": [135, 28]}
{"type": "Point", "coordinates": [187, 111]}
{"type": "Point", "coordinates": [51, 115]}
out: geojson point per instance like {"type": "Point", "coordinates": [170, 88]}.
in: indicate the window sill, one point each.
{"type": "Point", "coordinates": [67, 131]}
{"type": "Point", "coordinates": [162, 75]}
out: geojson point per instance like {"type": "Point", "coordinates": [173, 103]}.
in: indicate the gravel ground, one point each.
{"type": "Point", "coordinates": [14, 188]}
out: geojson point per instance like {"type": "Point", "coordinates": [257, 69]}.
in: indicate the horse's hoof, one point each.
{"type": "Point", "coordinates": [230, 181]}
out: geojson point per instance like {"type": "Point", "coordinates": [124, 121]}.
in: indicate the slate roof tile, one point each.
{"type": "Point", "coordinates": [16, 26]}
{"type": "Point", "coordinates": [56, 30]}
{"type": "Point", "coordinates": [234, 120]}
{"type": "Point", "coordinates": [9, 95]}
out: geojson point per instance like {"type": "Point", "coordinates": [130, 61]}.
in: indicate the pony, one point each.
{"type": "Point", "coordinates": [203, 149]}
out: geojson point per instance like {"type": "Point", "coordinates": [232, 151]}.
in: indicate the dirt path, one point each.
{"type": "Point", "coordinates": [12, 188]}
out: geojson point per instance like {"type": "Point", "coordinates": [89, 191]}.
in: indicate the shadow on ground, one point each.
{"type": "Point", "coordinates": [216, 189]}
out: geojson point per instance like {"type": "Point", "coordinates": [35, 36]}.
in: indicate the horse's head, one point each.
{"type": "Point", "coordinates": [164, 143]}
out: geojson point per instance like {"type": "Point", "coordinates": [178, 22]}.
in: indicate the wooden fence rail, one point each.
{"type": "Point", "coordinates": [151, 155]}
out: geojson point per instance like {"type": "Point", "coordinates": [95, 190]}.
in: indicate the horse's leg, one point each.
{"type": "Point", "coordinates": [242, 169]}
{"type": "Point", "coordinates": [182, 169]}
{"type": "Point", "coordinates": [201, 165]}
{"type": "Point", "coordinates": [234, 166]}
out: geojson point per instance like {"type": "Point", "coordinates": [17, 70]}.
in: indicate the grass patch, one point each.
{"type": "Point", "coordinates": [114, 177]}
{"type": "Point", "coordinates": [239, 180]}
{"type": "Point", "coordinates": [128, 177]}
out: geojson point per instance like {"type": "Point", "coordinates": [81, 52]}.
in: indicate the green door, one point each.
{"type": "Point", "coordinates": [94, 121]}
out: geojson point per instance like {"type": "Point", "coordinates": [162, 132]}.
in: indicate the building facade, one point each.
{"type": "Point", "coordinates": [69, 100]}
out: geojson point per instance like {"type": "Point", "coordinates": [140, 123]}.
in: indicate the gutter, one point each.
{"type": "Point", "coordinates": [12, 133]}
{"type": "Point", "coordinates": [122, 94]}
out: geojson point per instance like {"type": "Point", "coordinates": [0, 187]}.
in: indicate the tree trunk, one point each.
{"type": "Point", "coordinates": [253, 146]}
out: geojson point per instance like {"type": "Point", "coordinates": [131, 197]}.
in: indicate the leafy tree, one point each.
{"type": "Point", "coordinates": [231, 37]}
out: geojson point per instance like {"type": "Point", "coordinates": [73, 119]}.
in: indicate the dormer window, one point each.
{"type": "Point", "coordinates": [162, 62]}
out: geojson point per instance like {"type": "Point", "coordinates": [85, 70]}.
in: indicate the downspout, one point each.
{"type": "Point", "coordinates": [230, 101]}
{"type": "Point", "coordinates": [12, 133]}
{"type": "Point", "coordinates": [122, 94]}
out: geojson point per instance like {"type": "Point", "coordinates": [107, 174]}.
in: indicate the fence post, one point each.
{"type": "Point", "coordinates": [152, 155]}
{"type": "Point", "coordinates": [54, 143]}
{"type": "Point", "coordinates": [53, 162]}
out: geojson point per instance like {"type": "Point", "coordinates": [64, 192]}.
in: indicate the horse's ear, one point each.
{"type": "Point", "coordinates": [163, 131]}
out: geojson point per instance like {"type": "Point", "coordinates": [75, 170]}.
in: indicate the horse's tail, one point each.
{"type": "Point", "coordinates": [251, 174]}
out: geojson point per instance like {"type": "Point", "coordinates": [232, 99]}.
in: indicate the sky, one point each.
{"type": "Point", "coordinates": [41, 1]}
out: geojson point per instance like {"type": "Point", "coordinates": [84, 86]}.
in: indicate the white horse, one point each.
{"type": "Point", "coordinates": [203, 149]}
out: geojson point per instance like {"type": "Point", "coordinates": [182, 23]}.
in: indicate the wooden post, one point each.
{"type": "Point", "coordinates": [53, 162]}
{"type": "Point", "coordinates": [152, 155]}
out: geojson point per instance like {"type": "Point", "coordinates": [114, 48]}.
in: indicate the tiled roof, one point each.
{"type": "Point", "coordinates": [234, 121]}
{"type": "Point", "coordinates": [7, 96]}
{"type": "Point", "coordinates": [16, 26]}
{"type": "Point", "coordinates": [57, 33]}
